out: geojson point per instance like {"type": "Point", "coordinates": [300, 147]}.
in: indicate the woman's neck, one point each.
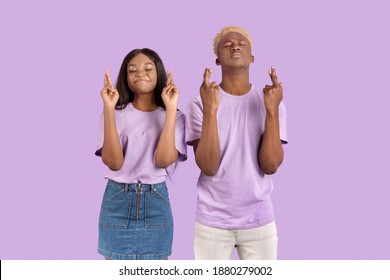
{"type": "Point", "coordinates": [145, 102]}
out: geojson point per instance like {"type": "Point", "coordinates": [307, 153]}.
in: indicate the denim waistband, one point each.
{"type": "Point", "coordinates": [136, 187]}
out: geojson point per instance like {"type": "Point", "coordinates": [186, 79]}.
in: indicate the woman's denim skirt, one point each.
{"type": "Point", "coordinates": [135, 222]}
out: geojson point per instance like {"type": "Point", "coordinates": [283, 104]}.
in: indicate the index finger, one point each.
{"type": "Point", "coordinates": [108, 78]}
{"type": "Point", "coordinates": [206, 76]}
{"type": "Point", "coordinates": [169, 77]}
{"type": "Point", "coordinates": [274, 79]}
{"type": "Point", "coordinates": [105, 78]}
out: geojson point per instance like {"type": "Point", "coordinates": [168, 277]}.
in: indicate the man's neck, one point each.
{"type": "Point", "coordinates": [235, 83]}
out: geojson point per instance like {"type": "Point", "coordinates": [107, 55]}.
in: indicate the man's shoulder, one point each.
{"type": "Point", "coordinates": [194, 103]}
{"type": "Point", "coordinates": [256, 90]}
{"type": "Point", "coordinates": [180, 114]}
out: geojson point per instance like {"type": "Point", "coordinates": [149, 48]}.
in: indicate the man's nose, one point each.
{"type": "Point", "coordinates": [235, 48]}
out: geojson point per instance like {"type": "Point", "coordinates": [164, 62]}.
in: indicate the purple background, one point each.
{"type": "Point", "coordinates": [332, 192]}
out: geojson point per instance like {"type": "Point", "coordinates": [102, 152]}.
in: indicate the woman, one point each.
{"type": "Point", "coordinates": [142, 138]}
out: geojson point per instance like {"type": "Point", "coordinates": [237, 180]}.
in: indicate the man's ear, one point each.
{"type": "Point", "coordinates": [217, 61]}
{"type": "Point", "coordinates": [252, 59]}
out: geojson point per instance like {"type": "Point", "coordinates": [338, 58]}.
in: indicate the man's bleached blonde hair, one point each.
{"type": "Point", "coordinates": [228, 29]}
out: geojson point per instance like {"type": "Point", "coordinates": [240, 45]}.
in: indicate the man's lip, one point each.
{"type": "Point", "coordinates": [236, 55]}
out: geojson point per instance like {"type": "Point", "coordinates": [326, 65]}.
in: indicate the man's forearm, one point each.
{"type": "Point", "coordinates": [271, 151]}
{"type": "Point", "coordinates": [207, 149]}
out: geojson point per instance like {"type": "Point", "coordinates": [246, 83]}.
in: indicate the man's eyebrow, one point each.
{"type": "Point", "coordinates": [232, 40]}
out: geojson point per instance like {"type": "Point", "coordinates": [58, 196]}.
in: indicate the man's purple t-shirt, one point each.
{"type": "Point", "coordinates": [139, 133]}
{"type": "Point", "coordinates": [238, 196]}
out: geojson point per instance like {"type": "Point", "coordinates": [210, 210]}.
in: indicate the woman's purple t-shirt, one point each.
{"type": "Point", "coordinates": [139, 133]}
{"type": "Point", "coordinates": [238, 196]}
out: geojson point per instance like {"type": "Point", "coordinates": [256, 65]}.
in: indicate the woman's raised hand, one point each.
{"type": "Point", "coordinates": [109, 94]}
{"type": "Point", "coordinates": [170, 93]}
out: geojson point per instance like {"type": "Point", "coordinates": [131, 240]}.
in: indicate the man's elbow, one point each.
{"type": "Point", "coordinates": [208, 170]}
{"type": "Point", "coordinates": [270, 167]}
{"type": "Point", "coordinates": [208, 165]}
{"type": "Point", "coordinates": [269, 170]}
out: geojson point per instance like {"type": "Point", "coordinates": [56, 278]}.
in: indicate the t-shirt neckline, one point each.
{"type": "Point", "coordinates": [143, 112]}
{"type": "Point", "coordinates": [224, 93]}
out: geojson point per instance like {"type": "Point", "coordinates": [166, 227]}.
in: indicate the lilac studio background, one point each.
{"type": "Point", "coordinates": [332, 192]}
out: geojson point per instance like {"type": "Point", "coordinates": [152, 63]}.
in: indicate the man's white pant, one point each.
{"type": "Point", "coordinates": [258, 243]}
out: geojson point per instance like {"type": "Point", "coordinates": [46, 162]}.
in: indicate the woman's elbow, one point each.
{"type": "Point", "coordinates": [113, 165]}
{"type": "Point", "coordinates": [164, 162]}
{"type": "Point", "coordinates": [116, 167]}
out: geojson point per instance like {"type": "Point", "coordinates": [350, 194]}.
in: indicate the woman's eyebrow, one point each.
{"type": "Point", "coordinates": [145, 64]}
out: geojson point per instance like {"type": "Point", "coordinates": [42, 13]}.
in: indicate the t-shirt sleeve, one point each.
{"type": "Point", "coordinates": [119, 127]}
{"type": "Point", "coordinates": [100, 138]}
{"type": "Point", "coordinates": [180, 136]}
{"type": "Point", "coordinates": [193, 121]}
{"type": "Point", "coordinates": [282, 123]}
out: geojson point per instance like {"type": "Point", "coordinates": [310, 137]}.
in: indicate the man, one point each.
{"type": "Point", "coordinates": [237, 133]}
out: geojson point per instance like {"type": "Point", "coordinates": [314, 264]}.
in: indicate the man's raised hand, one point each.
{"type": "Point", "coordinates": [209, 93]}
{"type": "Point", "coordinates": [273, 94]}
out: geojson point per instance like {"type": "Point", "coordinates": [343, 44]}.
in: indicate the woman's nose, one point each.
{"type": "Point", "coordinates": [140, 73]}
